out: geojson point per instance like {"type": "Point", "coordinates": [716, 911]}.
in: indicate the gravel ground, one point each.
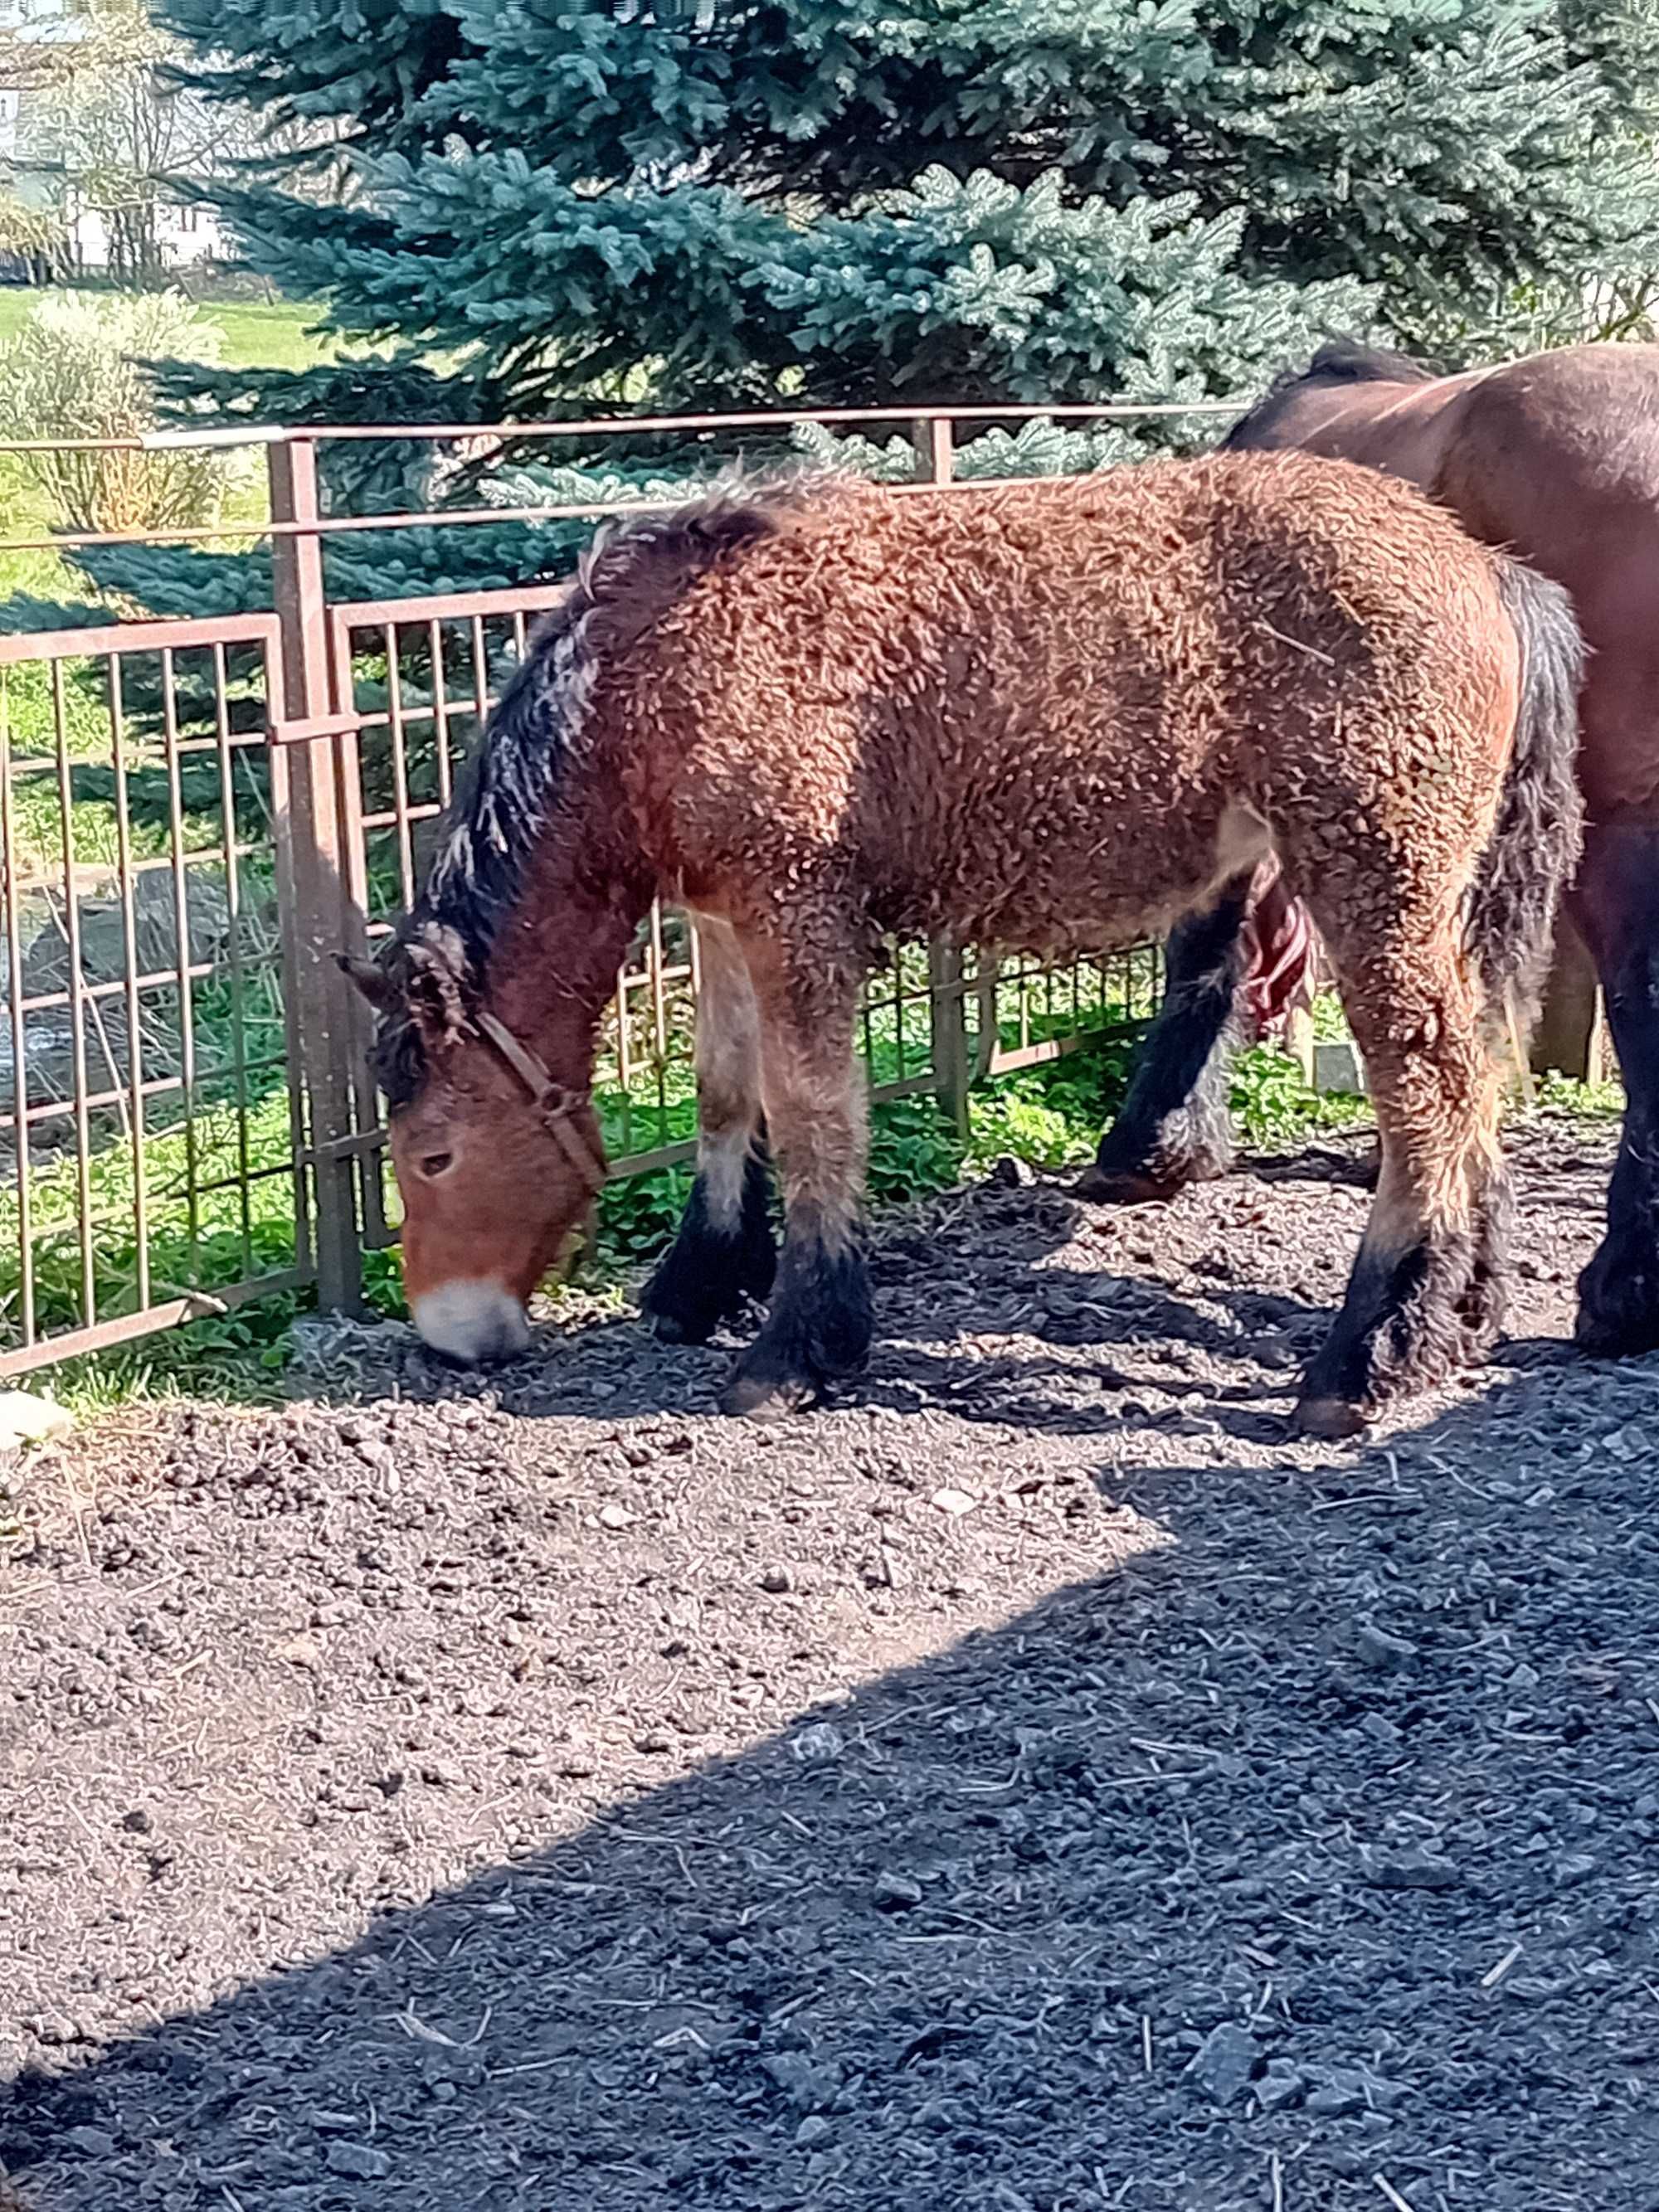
{"type": "Point", "coordinates": [1034, 1785]}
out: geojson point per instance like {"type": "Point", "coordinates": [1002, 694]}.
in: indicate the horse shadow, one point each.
{"type": "Point", "coordinates": [1300, 1842]}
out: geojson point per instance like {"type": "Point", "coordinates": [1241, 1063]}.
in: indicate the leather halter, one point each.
{"type": "Point", "coordinates": [556, 1104]}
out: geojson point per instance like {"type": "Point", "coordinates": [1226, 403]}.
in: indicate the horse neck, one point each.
{"type": "Point", "coordinates": [1401, 427]}
{"type": "Point", "coordinates": [557, 953]}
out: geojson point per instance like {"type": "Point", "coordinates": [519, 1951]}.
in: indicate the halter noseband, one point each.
{"type": "Point", "coordinates": [556, 1104]}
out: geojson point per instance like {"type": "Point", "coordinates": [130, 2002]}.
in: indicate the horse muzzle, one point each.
{"type": "Point", "coordinates": [473, 1323]}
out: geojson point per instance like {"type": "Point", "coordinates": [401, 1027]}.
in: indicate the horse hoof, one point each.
{"type": "Point", "coordinates": [1330, 1420]}
{"type": "Point", "coordinates": [1097, 1187]}
{"type": "Point", "coordinates": [768, 1397]}
{"type": "Point", "coordinates": [680, 1328]}
{"type": "Point", "coordinates": [1616, 1336]}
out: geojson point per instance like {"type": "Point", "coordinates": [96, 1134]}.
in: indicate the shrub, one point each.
{"type": "Point", "coordinates": [73, 371]}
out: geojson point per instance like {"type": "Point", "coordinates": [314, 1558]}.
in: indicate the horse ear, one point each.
{"type": "Point", "coordinates": [438, 988]}
{"type": "Point", "coordinates": [376, 985]}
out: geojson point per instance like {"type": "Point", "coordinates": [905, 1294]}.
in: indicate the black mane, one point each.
{"type": "Point", "coordinates": [509, 791]}
{"type": "Point", "coordinates": [1339, 361]}
{"type": "Point", "coordinates": [502, 803]}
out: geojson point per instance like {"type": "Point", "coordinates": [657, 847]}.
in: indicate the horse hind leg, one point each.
{"type": "Point", "coordinates": [722, 1255]}
{"type": "Point", "coordinates": [1176, 1125]}
{"type": "Point", "coordinates": [1426, 1295]}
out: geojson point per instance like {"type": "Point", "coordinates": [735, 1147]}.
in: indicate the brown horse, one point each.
{"type": "Point", "coordinates": [1044, 717]}
{"type": "Point", "coordinates": [1555, 457]}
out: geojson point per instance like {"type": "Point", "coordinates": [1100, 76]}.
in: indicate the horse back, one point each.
{"type": "Point", "coordinates": [1122, 682]}
{"type": "Point", "coordinates": [1556, 457]}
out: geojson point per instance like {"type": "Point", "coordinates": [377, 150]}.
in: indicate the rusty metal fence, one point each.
{"type": "Point", "coordinates": [195, 816]}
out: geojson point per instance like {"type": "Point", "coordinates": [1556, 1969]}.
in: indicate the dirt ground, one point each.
{"type": "Point", "coordinates": [1033, 1786]}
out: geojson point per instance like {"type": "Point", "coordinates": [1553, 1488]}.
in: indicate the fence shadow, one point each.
{"type": "Point", "coordinates": [1309, 1844]}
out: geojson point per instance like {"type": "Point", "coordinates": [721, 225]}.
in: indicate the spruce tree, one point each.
{"type": "Point", "coordinates": [698, 204]}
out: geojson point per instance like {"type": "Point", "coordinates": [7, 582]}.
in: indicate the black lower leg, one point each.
{"type": "Point", "coordinates": [714, 1266]}
{"type": "Point", "coordinates": [1411, 1317]}
{"type": "Point", "coordinates": [818, 1328]}
{"type": "Point", "coordinates": [1616, 904]}
{"type": "Point", "coordinates": [1618, 1291]}
{"type": "Point", "coordinates": [1175, 1127]}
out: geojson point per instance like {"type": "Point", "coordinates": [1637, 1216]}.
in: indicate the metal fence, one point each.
{"type": "Point", "coordinates": [194, 815]}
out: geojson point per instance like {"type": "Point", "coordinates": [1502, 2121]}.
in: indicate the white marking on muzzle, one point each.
{"type": "Point", "coordinates": [472, 1322]}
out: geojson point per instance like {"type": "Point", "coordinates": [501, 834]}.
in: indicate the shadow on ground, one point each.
{"type": "Point", "coordinates": [1283, 1833]}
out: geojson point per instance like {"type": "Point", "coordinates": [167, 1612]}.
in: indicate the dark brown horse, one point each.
{"type": "Point", "coordinates": [1044, 717]}
{"type": "Point", "coordinates": [1555, 457]}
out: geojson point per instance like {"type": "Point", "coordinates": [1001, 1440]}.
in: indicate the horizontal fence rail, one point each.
{"type": "Point", "coordinates": [195, 816]}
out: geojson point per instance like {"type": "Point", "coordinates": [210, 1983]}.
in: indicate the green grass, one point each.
{"type": "Point", "coordinates": [256, 335]}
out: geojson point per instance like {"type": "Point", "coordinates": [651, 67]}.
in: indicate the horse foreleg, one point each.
{"type": "Point", "coordinates": [818, 1325]}
{"type": "Point", "coordinates": [1616, 903]}
{"type": "Point", "coordinates": [1426, 1293]}
{"type": "Point", "coordinates": [1175, 1127]}
{"type": "Point", "coordinates": [723, 1253]}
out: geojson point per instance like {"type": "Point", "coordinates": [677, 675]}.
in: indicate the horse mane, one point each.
{"type": "Point", "coordinates": [1339, 361]}
{"type": "Point", "coordinates": [509, 791]}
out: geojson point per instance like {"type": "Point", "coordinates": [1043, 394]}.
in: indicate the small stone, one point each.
{"type": "Point", "coordinates": [91, 2142]}
{"type": "Point", "coordinates": [359, 2161]}
{"type": "Point", "coordinates": [1374, 1647]}
{"type": "Point", "coordinates": [896, 1892]}
{"type": "Point", "coordinates": [27, 1420]}
{"type": "Point", "coordinates": [616, 1517]}
{"type": "Point", "coordinates": [1280, 2084]}
{"type": "Point", "coordinates": [1573, 1868]}
{"type": "Point", "coordinates": [954, 1502]}
{"type": "Point", "coordinates": [301, 1651]}
{"type": "Point", "coordinates": [811, 2131]}
{"type": "Point", "coordinates": [137, 1822]}
{"type": "Point", "coordinates": [803, 2082]}
{"type": "Point", "coordinates": [1011, 1173]}
{"type": "Point", "coordinates": [1224, 2062]}
{"type": "Point", "coordinates": [1334, 2100]}
{"type": "Point", "coordinates": [654, 1742]}
{"type": "Point", "coordinates": [1410, 1869]}
{"type": "Point", "coordinates": [776, 1582]}
{"type": "Point", "coordinates": [817, 1743]}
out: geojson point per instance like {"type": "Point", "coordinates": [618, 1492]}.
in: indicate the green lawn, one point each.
{"type": "Point", "coordinates": [255, 336]}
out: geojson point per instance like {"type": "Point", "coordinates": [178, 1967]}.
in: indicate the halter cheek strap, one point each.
{"type": "Point", "coordinates": [557, 1105]}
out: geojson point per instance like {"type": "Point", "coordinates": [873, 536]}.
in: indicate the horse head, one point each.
{"type": "Point", "coordinates": [498, 1161]}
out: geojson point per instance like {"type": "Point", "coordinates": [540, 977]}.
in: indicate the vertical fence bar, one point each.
{"type": "Point", "coordinates": [77, 989]}
{"type": "Point", "coordinates": [313, 873]}
{"type": "Point", "coordinates": [934, 437]}
{"type": "Point", "coordinates": [182, 961]}
{"type": "Point", "coordinates": [19, 1081]}
{"type": "Point", "coordinates": [135, 1011]}
{"type": "Point", "coordinates": [226, 762]}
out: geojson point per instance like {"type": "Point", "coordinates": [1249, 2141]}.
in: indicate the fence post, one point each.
{"type": "Point", "coordinates": [312, 882]}
{"type": "Point", "coordinates": [935, 446]}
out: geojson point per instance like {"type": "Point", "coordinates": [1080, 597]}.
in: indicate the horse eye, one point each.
{"type": "Point", "coordinates": [437, 1163]}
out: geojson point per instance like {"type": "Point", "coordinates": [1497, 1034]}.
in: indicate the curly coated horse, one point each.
{"type": "Point", "coordinates": [1555, 457]}
{"type": "Point", "coordinates": [1042, 717]}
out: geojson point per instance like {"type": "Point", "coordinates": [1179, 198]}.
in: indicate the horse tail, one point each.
{"type": "Point", "coordinates": [1534, 841]}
